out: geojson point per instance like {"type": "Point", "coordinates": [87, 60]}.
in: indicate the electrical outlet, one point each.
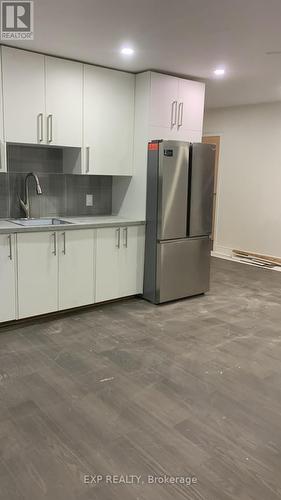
{"type": "Point", "coordinates": [89, 200]}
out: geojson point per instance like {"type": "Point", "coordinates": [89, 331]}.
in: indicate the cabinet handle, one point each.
{"type": "Point", "coordinates": [40, 127]}
{"type": "Point", "coordinates": [180, 114]}
{"type": "Point", "coordinates": [64, 244]}
{"type": "Point", "coordinates": [87, 160]}
{"type": "Point", "coordinates": [50, 128]}
{"type": "Point", "coordinates": [125, 237]}
{"type": "Point", "coordinates": [10, 247]}
{"type": "Point", "coordinates": [117, 238]}
{"type": "Point", "coordinates": [174, 113]}
{"type": "Point", "coordinates": [55, 244]}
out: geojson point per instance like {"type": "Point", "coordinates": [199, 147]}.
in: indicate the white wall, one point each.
{"type": "Point", "coordinates": [249, 183]}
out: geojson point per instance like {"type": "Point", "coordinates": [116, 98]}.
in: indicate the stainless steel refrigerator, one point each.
{"type": "Point", "coordinates": [180, 179]}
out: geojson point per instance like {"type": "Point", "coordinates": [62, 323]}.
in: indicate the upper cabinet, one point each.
{"type": "Point", "coordinates": [191, 98]}
{"type": "Point", "coordinates": [108, 115]}
{"type": "Point", "coordinates": [176, 108]}
{"type": "Point", "coordinates": [42, 99]}
{"type": "Point", "coordinates": [64, 95]}
{"type": "Point", "coordinates": [163, 100]}
{"type": "Point", "coordinates": [2, 145]}
{"type": "Point", "coordinates": [24, 96]}
{"type": "Point", "coordinates": [108, 121]}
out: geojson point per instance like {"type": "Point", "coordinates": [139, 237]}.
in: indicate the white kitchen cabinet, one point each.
{"type": "Point", "coordinates": [107, 263]}
{"type": "Point", "coordinates": [168, 108]}
{"type": "Point", "coordinates": [119, 262]}
{"type": "Point", "coordinates": [37, 273]}
{"type": "Point", "coordinates": [176, 107]}
{"type": "Point", "coordinates": [3, 167]}
{"type": "Point", "coordinates": [7, 277]}
{"type": "Point", "coordinates": [131, 260]}
{"type": "Point", "coordinates": [64, 92]}
{"type": "Point", "coordinates": [163, 100]}
{"type": "Point", "coordinates": [108, 121]}
{"type": "Point", "coordinates": [191, 100]}
{"type": "Point", "coordinates": [76, 268]}
{"type": "Point", "coordinates": [23, 96]}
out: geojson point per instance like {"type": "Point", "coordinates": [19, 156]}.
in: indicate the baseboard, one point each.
{"type": "Point", "coordinates": [223, 252]}
{"type": "Point", "coordinates": [226, 254]}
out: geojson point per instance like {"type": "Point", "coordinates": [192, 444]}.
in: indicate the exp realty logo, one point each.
{"type": "Point", "coordinates": [17, 20]}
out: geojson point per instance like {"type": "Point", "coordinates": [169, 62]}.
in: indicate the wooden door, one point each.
{"type": "Point", "coordinates": [214, 139]}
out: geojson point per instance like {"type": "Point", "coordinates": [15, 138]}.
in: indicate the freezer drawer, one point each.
{"type": "Point", "coordinates": [183, 268]}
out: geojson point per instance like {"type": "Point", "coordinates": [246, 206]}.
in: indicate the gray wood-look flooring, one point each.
{"type": "Point", "coordinates": [192, 388]}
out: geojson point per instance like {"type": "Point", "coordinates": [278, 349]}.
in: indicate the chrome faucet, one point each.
{"type": "Point", "coordinates": [25, 205]}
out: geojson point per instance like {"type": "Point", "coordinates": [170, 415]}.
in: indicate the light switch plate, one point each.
{"type": "Point", "coordinates": [89, 200]}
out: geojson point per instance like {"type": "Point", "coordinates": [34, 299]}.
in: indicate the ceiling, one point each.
{"type": "Point", "coordinates": [184, 37]}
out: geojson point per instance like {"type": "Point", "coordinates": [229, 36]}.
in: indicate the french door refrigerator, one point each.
{"type": "Point", "coordinates": [180, 178]}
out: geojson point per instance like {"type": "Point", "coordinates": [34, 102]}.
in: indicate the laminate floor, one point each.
{"type": "Point", "coordinates": [190, 389]}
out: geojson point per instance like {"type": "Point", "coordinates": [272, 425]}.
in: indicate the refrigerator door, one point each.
{"type": "Point", "coordinates": [172, 189]}
{"type": "Point", "coordinates": [201, 186]}
{"type": "Point", "coordinates": [183, 268]}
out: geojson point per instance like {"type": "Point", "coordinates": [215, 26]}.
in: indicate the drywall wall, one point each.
{"type": "Point", "coordinates": [248, 213]}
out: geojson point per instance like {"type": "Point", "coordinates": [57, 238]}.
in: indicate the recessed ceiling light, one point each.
{"type": "Point", "coordinates": [127, 51]}
{"type": "Point", "coordinates": [219, 72]}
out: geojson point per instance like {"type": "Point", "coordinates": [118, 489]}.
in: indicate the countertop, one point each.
{"type": "Point", "coordinates": [72, 223]}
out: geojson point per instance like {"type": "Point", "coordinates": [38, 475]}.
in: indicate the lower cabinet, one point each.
{"type": "Point", "coordinates": [119, 262]}
{"type": "Point", "coordinates": [37, 273]}
{"type": "Point", "coordinates": [76, 268]}
{"type": "Point", "coordinates": [47, 271]}
{"type": "Point", "coordinates": [131, 261]}
{"type": "Point", "coordinates": [7, 277]}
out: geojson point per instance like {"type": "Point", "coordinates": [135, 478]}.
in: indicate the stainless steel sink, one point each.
{"type": "Point", "coordinates": [38, 222]}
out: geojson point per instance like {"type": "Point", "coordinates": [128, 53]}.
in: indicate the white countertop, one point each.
{"type": "Point", "coordinates": [72, 223]}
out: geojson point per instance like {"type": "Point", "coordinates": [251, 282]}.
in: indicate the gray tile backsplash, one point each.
{"type": "Point", "coordinates": [22, 158]}
{"type": "Point", "coordinates": [4, 195]}
{"type": "Point", "coordinates": [77, 186]}
{"type": "Point", "coordinates": [63, 194]}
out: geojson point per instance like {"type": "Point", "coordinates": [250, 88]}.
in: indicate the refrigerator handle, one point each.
{"type": "Point", "coordinates": [174, 113]}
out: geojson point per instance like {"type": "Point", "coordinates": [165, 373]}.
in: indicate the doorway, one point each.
{"type": "Point", "coordinates": [215, 140]}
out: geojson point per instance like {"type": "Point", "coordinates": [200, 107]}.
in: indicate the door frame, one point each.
{"type": "Point", "coordinates": [218, 187]}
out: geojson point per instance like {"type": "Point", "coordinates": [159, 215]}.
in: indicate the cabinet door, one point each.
{"type": "Point", "coordinates": [76, 268]}
{"type": "Point", "coordinates": [163, 101]}
{"type": "Point", "coordinates": [107, 263]}
{"type": "Point", "coordinates": [2, 144]}
{"type": "Point", "coordinates": [191, 105]}
{"type": "Point", "coordinates": [37, 273]}
{"type": "Point", "coordinates": [108, 121]}
{"type": "Point", "coordinates": [64, 84]}
{"type": "Point", "coordinates": [7, 277]}
{"type": "Point", "coordinates": [23, 95]}
{"type": "Point", "coordinates": [131, 261]}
